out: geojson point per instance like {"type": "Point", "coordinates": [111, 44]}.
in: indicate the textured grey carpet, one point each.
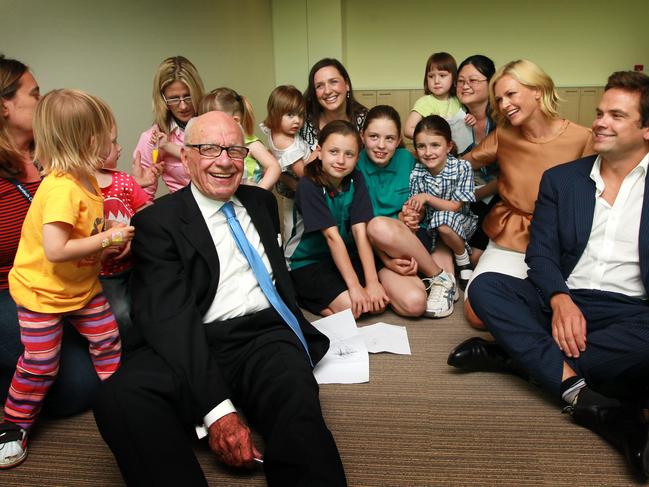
{"type": "Point", "coordinates": [416, 423]}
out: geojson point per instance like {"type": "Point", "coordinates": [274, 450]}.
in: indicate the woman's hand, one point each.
{"type": "Point", "coordinates": [378, 297]}
{"type": "Point", "coordinates": [360, 301]}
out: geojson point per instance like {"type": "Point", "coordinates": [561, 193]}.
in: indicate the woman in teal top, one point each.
{"type": "Point", "coordinates": [329, 256]}
{"type": "Point", "coordinates": [386, 168]}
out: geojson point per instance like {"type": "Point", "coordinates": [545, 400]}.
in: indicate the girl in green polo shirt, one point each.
{"type": "Point", "coordinates": [409, 270]}
{"type": "Point", "coordinates": [329, 255]}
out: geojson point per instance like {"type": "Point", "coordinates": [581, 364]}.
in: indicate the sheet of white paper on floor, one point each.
{"type": "Point", "coordinates": [347, 360]}
{"type": "Point", "coordinates": [382, 337]}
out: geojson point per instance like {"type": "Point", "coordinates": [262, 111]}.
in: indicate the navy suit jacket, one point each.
{"type": "Point", "coordinates": [561, 225]}
{"type": "Point", "coordinates": [175, 279]}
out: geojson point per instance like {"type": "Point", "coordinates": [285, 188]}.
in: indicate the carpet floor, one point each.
{"type": "Point", "coordinates": [417, 422]}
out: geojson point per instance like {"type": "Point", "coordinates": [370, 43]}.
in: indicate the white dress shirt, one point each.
{"type": "Point", "coordinates": [611, 260]}
{"type": "Point", "coordinates": [238, 292]}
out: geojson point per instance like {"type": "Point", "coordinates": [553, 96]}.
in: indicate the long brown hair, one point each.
{"type": "Point", "coordinates": [11, 160]}
{"type": "Point", "coordinates": [313, 109]}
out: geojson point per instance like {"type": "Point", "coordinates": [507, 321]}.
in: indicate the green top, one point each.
{"type": "Point", "coordinates": [252, 170]}
{"type": "Point", "coordinates": [388, 186]}
{"type": "Point", "coordinates": [319, 209]}
{"type": "Point", "coordinates": [429, 105]}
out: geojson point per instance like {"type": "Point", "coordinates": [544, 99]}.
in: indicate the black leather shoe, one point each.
{"type": "Point", "coordinates": [623, 425]}
{"type": "Point", "coordinates": [477, 354]}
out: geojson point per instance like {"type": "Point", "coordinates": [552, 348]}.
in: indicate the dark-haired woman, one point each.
{"type": "Point", "coordinates": [329, 97]}
{"type": "Point", "coordinates": [473, 78]}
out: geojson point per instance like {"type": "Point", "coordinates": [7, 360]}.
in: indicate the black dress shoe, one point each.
{"type": "Point", "coordinates": [477, 354]}
{"type": "Point", "coordinates": [623, 425]}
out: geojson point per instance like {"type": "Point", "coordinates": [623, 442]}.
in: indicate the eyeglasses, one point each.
{"type": "Point", "coordinates": [211, 151]}
{"type": "Point", "coordinates": [174, 102]}
{"type": "Point", "coordinates": [472, 82]}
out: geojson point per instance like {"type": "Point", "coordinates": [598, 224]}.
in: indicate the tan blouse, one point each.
{"type": "Point", "coordinates": [522, 162]}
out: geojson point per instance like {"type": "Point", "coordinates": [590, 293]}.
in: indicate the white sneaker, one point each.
{"type": "Point", "coordinates": [443, 293]}
{"type": "Point", "coordinates": [13, 445]}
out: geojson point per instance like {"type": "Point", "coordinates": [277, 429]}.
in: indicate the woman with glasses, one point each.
{"type": "Point", "coordinates": [529, 138]}
{"type": "Point", "coordinates": [19, 179]}
{"type": "Point", "coordinates": [472, 90]}
{"type": "Point", "coordinates": [177, 91]}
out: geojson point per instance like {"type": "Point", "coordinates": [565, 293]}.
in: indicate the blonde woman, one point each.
{"type": "Point", "coordinates": [177, 92]}
{"type": "Point", "coordinates": [530, 138]}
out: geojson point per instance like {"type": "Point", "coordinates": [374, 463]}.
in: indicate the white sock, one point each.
{"type": "Point", "coordinates": [462, 259]}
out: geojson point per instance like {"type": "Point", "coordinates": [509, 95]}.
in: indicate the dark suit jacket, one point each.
{"type": "Point", "coordinates": [561, 225]}
{"type": "Point", "coordinates": [175, 280]}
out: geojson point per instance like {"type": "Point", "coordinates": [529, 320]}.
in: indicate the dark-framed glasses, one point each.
{"type": "Point", "coordinates": [211, 151]}
{"type": "Point", "coordinates": [174, 102]}
{"type": "Point", "coordinates": [472, 82]}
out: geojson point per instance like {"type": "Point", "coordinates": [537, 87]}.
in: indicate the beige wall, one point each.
{"type": "Point", "coordinates": [113, 48]}
{"type": "Point", "coordinates": [385, 43]}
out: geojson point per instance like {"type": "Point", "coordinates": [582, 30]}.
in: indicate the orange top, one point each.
{"type": "Point", "coordinates": [522, 161]}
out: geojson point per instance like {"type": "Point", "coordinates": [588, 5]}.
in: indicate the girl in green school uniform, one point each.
{"type": "Point", "coordinates": [408, 271]}
{"type": "Point", "coordinates": [329, 256]}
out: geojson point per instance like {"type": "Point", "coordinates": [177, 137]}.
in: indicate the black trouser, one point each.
{"type": "Point", "coordinates": [142, 411]}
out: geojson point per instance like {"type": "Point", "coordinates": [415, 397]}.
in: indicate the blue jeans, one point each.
{"type": "Point", "coordinates": [76, 382]}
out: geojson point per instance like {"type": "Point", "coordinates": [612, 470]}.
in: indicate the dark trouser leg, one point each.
{"type": "Point", "coordinates": [515, 315]}
{"type": "Point", "coordinates": [616, 359]}
{"type": "Point", "coordinates": [139, 415]}
{"type": "Point", "coordinates": [276, 389]}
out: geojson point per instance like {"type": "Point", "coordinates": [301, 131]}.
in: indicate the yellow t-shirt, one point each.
{"type": "Point", "coordinates": [46, 287]}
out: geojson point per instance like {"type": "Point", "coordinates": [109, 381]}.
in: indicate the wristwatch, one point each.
{"type": "Point", "coordinates": [105, 243]}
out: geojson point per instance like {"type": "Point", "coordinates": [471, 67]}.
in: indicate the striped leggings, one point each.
{"type": "Point", "coordinates": [38, 366]}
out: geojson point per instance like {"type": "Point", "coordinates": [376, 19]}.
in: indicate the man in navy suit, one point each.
{"type": "Point", "coordinates": [579, 324]}
{"type": "Point", "coordinates": [213, 342]}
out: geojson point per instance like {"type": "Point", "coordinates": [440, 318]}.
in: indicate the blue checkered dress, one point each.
{"type": "Point", "coordinates": [455, 183]}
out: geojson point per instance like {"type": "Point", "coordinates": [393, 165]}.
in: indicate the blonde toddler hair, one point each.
{"type": "Point", "coordinates": [72, 132]}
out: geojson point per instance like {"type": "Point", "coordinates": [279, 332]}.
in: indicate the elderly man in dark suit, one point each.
{"type": "Point", "coordinates": [579, 324]}
{"type": "Point", "coordinates": [214, 302]}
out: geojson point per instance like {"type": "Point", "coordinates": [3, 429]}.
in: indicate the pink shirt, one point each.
{"type": "Point", "coordinates": [174, 175]}
{"type": "Point", "coordinates": [121, 200]}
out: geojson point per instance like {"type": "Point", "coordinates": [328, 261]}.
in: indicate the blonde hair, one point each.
{"type": "Point", "coordinates": [531, 75]}
{"type": "Point", "coordinates": [72, 132]}
{"type": "Point", "coordinates": [177, 68]}
{"type": "Point", "coordinates": [229, 101]}
{"type": "Point", "coordinates": [282, 100]}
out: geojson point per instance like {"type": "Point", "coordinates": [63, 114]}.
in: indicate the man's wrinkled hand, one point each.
{"type": "Point", "coordinates": [231, 441]}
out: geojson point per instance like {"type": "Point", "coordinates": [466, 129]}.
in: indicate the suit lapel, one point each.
{"type": "Point", "coordinates": [643, 238]}
{"type": "Point", "coordinates": [195, 231]}
{"type": "Point", "coordinates": [584, 208]}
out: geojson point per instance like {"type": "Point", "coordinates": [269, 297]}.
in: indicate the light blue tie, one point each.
{"type": "Point", "coordinates": [259, 269]}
